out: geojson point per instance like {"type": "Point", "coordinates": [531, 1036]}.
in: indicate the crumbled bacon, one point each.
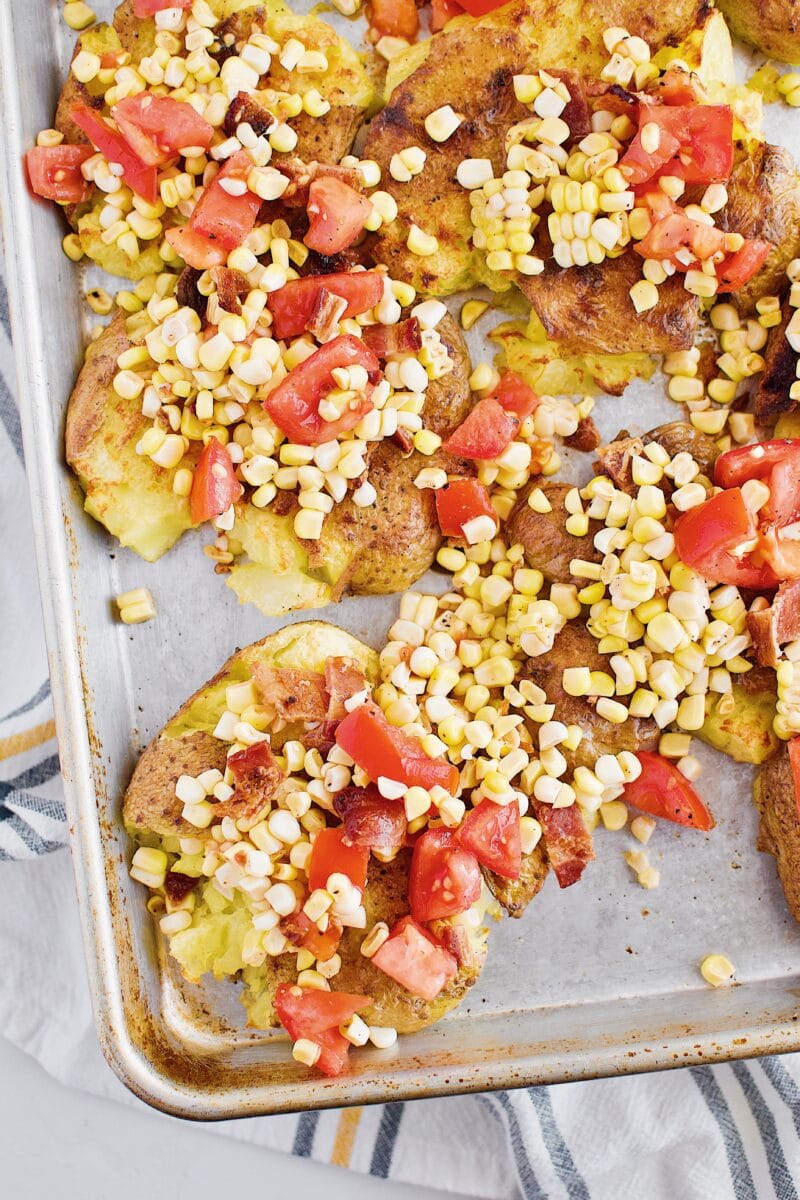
{"type": "Point", "coordinates": [295, 695]}
{"type": "Point", "coordinates": [325, 315]}
{"type": "Point", "coordinates": [244, 109]}
{"type": "Point", "coordinates": [567, 841]}
{"type": "Point", "coordinates": [256, 775]}
{"type": "Point", "coordinates": [301, 931]}
{"type": "Point", "coordinates": [385, 340]}
{"type": "Point", "coordinates": [576, 114]}
{"type": "Point", "coordinates": [614, 460]}
{"type": "Point", "coordinates": [402, 438]}
{"type": "Point", "coordinates": [343, 678]}
{"type": "Point", "coordinates": [369, 819]}
{"type": "Point", "coordinates": [585, 438]}
{"type": "Point", "coordinates": [178, 886]}
{"type": "Point", "coordinates": [232, 287]}
{"type": "Point", "coordinates": [301, 175]}
{"type": "Point", "coordinates": [456, 940]}
{"type": "Point", "coordinates": [774, 626]}
{"type": "Point", "coordinates": [186, 291]}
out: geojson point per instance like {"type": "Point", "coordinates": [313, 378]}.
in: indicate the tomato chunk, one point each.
{"type": "Point", "coordinates": [662, 791]}
{"type": "Point", "coordinates": [221, 217]}
{"type": "Point", "coordinates": [443, 11]}
{"type": "Point", "coordinates": [677, 232]}
{"type": "Point", "coordinates": [292, 306]}
{"type": "Point", "coordinates": [459, 502]}
{"type": "Point", "coordinates": [336, 214]}
{"type": "Point", "coordinates": [294, 404]}
{"type": "Point", "coordinates": [445, 879]}
{"type": "Point", "coordinates": [794, 762]}
{"type": "Point", "coordinates": [492, 832]}
{"type": "Point", "coordinates": [737, 269]}
{"type": "Point", "coordinates": [735, 467]}
{"type": "Point", "coordinates": [214, 486]}
{"type": "Point", "coordinates": [196, 251]}
{"type": "Point", "coordinates": [485, 433]}
{"type": "Point", "coordinates": [308, 1012]}
{"type": "Point", "coordinates": [55, 172]}
{"type": "Point", "coordinates": [706, 538]}
{"type": "Point", "coordinates": [704, 136]}
{"type": "Point", "coordinates": [148, 8]}
{"type": "Point", "coordinates": [414, 959]}
{"type": "Point", "coordinates": [332, 853]}
{"type": "Point", "coordinates": [301, 931]}
{"type": "Point", "coordinates": [514, 395]}
{"type": "Point", "coordinates": [382, 750]}
{"type": "Point", "coordinates": [781, 555]}
{"type": "Point", "coordinates": [158, 127]}
{"type": "Point", "coordinates": [140, 176]}
{"type": "Point", "coordinates": [638, 165]}
{"type": "Point", "coordinates": [394, 18]}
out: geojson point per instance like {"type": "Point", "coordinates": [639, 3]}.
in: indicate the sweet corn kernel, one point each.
{"type": "Point", "coordinates": [717, 970]}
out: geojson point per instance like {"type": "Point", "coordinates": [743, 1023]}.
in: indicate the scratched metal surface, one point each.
{"type": "Point", "coordinates": [600, 979]}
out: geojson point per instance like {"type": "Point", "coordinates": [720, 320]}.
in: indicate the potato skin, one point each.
{"type": "Point", "coordinates": [764, 202]}
{"type": "Point", "coordinates": [516, 894]}
{"type": "Point", "coordinates": [779, 830]}
{"type": "Point", "coordinates": [548, 547]}
{"type": "Point", "coordinates": [773, 26]}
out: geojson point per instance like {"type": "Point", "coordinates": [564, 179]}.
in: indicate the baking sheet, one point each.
{"type": "Point", "coordinates": [599, 979]}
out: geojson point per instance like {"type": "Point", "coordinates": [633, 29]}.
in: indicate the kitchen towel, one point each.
{"type": "Point", "coordinates": [702, 1133]}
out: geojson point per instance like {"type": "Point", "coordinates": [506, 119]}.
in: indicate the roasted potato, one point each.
{"type": "Point", "coordinates": [764, 202]}
{"type": "Point", "coordinates": [471, 64]}
{"type": "Point", "coordinates": [548, 547]}
{"type": "Point", "coordinates": [345, 84]}
{"type": "Point", "coordinates": [213, 942]}
{"type": "Point", "coordinates": [772, 400]}
{"type": "Point", "coordinates": [516, 894]}
{"type": "Point", "coordinates": [779, 830]}
{"type": "Point", "coordinates": [126, 492]}
{"type": "Point", "coordinates": [744, 731]}
{"type": "Point", "coordinates": [772, 26]}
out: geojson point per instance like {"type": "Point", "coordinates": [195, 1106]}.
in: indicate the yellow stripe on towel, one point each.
{"type": "Point", "coordinates": [345, 1137]}
{"type": "Point", "coordinates": [26, 740]}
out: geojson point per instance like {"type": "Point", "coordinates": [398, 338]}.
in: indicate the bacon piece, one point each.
{"type": "Point", "coordinates": [256, 775]}
{"type": "Point", "coordinates": [300, 930]}
{"type": "Point", "coordinates": [780, 363]}
{"type": "Point", "coordinates": [244, 109]}
{"type": "Point", "coordinates": [232, 287]}
{"type": "Point", "coordinates": [369, 819]}
{"type": "Point", "coordinates": [614, 460]}
{"type": "Point", "coordinates": [327, 312]}
{"type": "Point", "coordinates": [403, 439]}
{"type": "Point", "coordinates": [186, 292]}
{"type": "Point", "coordinates": [771, 627]}
{"type": "Point", "coordinates": [456, 940]}
{"type": "Point", "coordinates": [385, 340]}
{"type": "Point", "coordinates": [585, 438]}
{"type": "Point", "coordinates": [567, 841]}
{"type": "Point", "coordinates": [178, 886]}
{"type": "Point", "coordinates": [343, 678]}
{"type": "Point", "coordinates": [301, 175]}
{"type": "Point", "coordinates": [576, 114]}
{"type": "Point", "coordinates": [295, 695]}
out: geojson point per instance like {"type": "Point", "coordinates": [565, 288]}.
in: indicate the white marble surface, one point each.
{"type": "Point", "coordinates": [59, 1142]}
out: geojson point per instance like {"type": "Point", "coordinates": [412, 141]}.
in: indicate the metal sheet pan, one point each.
{"type": "Point", "coordinates": [599, 980]}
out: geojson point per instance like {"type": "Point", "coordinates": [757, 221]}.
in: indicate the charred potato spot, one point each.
{"type": "Point", "coordinates": [516, 894]}
{"type": "Point", "coordinates": [773, 26]}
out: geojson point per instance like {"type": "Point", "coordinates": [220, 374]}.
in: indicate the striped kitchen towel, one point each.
{"type": "Point", "coordinates": [729, 1132]}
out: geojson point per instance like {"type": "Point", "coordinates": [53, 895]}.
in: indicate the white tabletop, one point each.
{"type": "Point", "coordinates": [59, 1142]}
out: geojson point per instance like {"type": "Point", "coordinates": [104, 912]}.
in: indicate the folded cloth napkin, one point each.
{"type": "Point", "coordinates": [705, 1133]}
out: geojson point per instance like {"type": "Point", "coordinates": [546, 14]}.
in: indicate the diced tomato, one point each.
{"type": "Point", "coordinates": [735, 467]}
{"type": "Point", "coordinates": [707, 536]}
{"type": "Point", "coordinates": [479, 8]}
{"type": "Point", "coordinates": [305, 1011]}
{"type": "Point", "coordinates": [139, 176]}
{"type": "Point", "coordinates": [567, 840]}
{"type": "Point", "coordinates": [334, 1049]}
{"type": "Point", "coordinates": [294, 403]}
{"type": "Point", "coordinates": [514, 395]}
{"type": "Point", "coordinates": [485, 433]}
{"type": "Point", "coordinates": [704, 133]}
{"type": "Point", "coordinates": [369, 819]}
{"type": "Point", "coordinates": [414, 959]}
{"type": "Point", "coordinates": [336, 214]}
{"type": "Point", "coordinates": [55, 172]}
{"type": "Point", "coordinates": [332, 853]}
{"type": "Point", "coordinates": [679, 232]}
{"type": "Point", "coordinates": [158, 127]}
{"type": "Point", "coordinates": [221, 217]}
{"type": "Point", "coordinates": [737, 269]}
{"type": "Point", "coordinates": [445, 879]}
{"type": "Point", "coordinates": [443, 11]}
{"type": "Point", "coordinates": [148, 8]}
{"type": "Point", "coordinates": [677, 86]}
{"type": "Point", "coordinates": [794, 761]}
{"type": "Point", "coordinates": [492, 832]}
{"type": "Point", "coordinates": [394, 18]}
{"type": "Point", "coordinates": [662, 791]}
{"type": "Point", "coordinates": [301, 931]}
{"type": "Point", "coordinates": [292, 305]}
{"type": "Point", "coordinates": [381, 749]}
{"type": "Point", "coordinates": [214, 486]}
{"type": "Point", "coordinates": [196, 251]}
{"type": "Point", "coordinates": [638, 165]}
{"type": "Point", "coordinates": [460, 501]}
